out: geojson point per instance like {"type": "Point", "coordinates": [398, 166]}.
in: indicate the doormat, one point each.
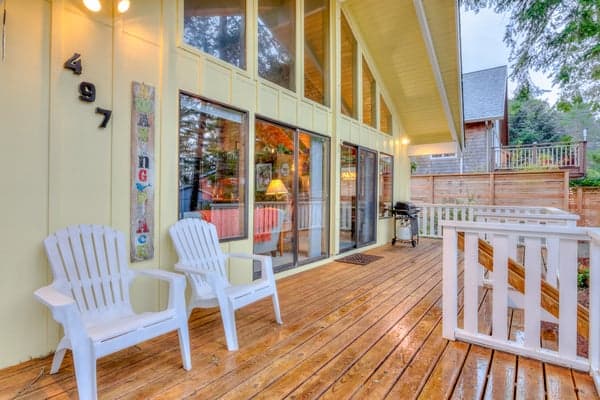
{"type": "Point", "coordinates": [359, 259]}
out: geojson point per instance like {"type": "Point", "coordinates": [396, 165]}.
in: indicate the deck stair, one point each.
{"type": "Point", "coordinates": [516, 279]}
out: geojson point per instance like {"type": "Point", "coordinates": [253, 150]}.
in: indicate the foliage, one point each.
{"type": "Point", "coordinates": [586, 181]}
{"type": "Point", "coordinates": [583, 277]}
{"type": "Point", "coordinates": [532, 121]}
{"type": "Point", "coordinates": [558, 37]}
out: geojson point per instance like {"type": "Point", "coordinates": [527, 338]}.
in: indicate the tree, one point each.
{"type": "Point", "coordinates": [558, 37]}
{"type": "Point", "coordinates": [532, 121]}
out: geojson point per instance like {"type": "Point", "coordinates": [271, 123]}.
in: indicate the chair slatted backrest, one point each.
{"type": "Point", "coordinates": [197, 246]}
{"type": "Point", "coordinates": [89, 263]}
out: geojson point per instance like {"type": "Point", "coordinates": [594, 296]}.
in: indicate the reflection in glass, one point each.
{"type": "Point", "coordinates": [385, 117]}
{"type": "Point", "coordinates": [217, 28]}
{"type": "Point", "coordinates": [386, 177]}
{"type": "Point", "coordinates": [313, 197]}
{"type": "Point", "coordinates": [277, 41]}
{"type": "Point", "coordinates": [274, 193]}
{"type": "Point", "coordinates": [367, 197]}
{"type": "Point", "coordinates": [348, 66]}
{"type": "Point", "coordinates": [316, 50]}
{"type": "Point", "coordinates": [212, 163]}
{"type": "Point", "coordinates": [369, 96]}
{"type": "Point", "coordinates": [348, 197]}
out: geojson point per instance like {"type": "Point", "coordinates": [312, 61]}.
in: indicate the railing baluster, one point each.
{"type": "Point", "coordinates": [567, 327]}
{"type": "Point", "coordinates": [552, 249]}
{"type": "Point", "coordinates": [500, 293]}
{"type": "Point", "coordinates": [532, 292]}
{"type": "Point", "coordinates": [450, 283]}
{"type": "Point", "coordinates": [471, 287]}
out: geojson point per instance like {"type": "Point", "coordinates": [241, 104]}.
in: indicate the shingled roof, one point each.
{"type": "Point", "coordinates": [484, 94]}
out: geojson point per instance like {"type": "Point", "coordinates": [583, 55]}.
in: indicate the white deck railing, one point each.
{"type": "Point", "coordinates": [431, 216]}
{"type": "Point", "coordinates": [506, 239]}
{"type": "Point", "coordinates": [557, 155]}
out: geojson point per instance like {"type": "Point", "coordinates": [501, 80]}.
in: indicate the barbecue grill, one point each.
{"type": "Point", "coordinates": [406, 223]}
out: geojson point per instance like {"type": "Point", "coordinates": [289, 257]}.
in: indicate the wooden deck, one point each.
{"type": "Point", "coordinates": [362, 332]}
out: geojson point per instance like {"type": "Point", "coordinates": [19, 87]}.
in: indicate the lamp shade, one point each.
{"type": "Point", "coordinates": [276, 187]}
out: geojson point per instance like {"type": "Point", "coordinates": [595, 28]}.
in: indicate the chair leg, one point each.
{"type": "Point", "coordinates": [184, 345]}
{"type": "Point", "coordinates": [59, 354]}
{"type": "Point", "coordinates": [228, 317]}
{"type": "Point", "coordinates": [85, 371]}
{"type": "Point", "coordinates": [276, 308]}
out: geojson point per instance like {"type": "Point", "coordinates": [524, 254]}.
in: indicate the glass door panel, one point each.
{"type": "Point", "coordinates": [348, 177]}
{"type": "Point", "coordinates": [367, 197]}
{"type": "Point", "coordinates": [274, 193]}
{"type": "Point", "coordinates": [313, 197]}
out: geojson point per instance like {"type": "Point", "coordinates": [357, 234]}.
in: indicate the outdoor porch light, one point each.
{"type": "Point", "coordinates": [123, 6]}
{"type": "Point", "coordinates": [93, 5]}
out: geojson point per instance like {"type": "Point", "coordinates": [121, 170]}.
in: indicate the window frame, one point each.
{"type": "Point", "coordinates": [381, 214]}
{"type": "Point", "coordinates": [246, 71]}
{"type": "Point", "coordinates": [246, 152]}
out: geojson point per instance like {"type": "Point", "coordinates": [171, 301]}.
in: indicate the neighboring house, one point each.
{"type": "Point", "coordinates": [486, 126]}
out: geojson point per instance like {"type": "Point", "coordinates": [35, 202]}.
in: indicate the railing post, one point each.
{"type": "Point", "coordinates": [594, 309]}
{"type": "Point", "coordinates": [449, 282]}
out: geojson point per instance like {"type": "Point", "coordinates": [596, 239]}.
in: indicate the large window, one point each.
{"type": "Point", "coordinates": [316, 50]}
{"type": "Point", "coordinates": [217, 28]}
{"type": "Point", "coordinates": [385, 117]}
{"type": "Point", "coordinates": [212, 165]}
{"type": "Point", "coordinates": [368, 95]}
{"type": "Point", "coordinates": [277, 41]}
{"type": "Point", "coordinates": [386, 177]}
{"type": "Point", "coordinates": [348, 66]}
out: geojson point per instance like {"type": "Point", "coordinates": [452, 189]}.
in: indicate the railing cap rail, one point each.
{"type": "Point", "coordinates": [574, 232]}
{"type": "Point", "coordinates": [549, 216]}
{"type": "Point", "coordinates": [544, 210]}
{"type": "Point", "coordinates": [538, 145]}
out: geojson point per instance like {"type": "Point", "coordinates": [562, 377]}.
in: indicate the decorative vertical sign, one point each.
{"type": "Point", "coordinates": [142, 172]}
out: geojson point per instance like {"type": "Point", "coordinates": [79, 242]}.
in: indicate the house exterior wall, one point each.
{"type": "Point", "coordinates": [475, 157]}
{"type": "Point", "coordinates": [59, 168]}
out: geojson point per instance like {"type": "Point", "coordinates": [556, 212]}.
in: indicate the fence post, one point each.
{"type": "Point", "coordinates": [492, 189]}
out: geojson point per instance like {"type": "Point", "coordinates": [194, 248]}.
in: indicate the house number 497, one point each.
{"type": "Point", "coordinates": [87, 90]}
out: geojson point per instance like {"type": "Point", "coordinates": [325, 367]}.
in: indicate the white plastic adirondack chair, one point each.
{"type": "Point", "coordinates": [90, 298]}
{"type": "Point", "coordinates": [201, 258]}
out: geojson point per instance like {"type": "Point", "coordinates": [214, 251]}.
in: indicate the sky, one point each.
{"type": "Point", "coordinates": [482, 48]}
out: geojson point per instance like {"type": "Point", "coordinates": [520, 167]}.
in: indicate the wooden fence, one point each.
{"type": "Point", "coordinates": [585, 201]}
{"type": "Point", "coordinates": [535, 189]}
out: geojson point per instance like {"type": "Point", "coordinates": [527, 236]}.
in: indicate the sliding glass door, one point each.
{"type": "Point", "coordinates": [358, 201]}
{"type": "Point", "coordinates": [291, 196]}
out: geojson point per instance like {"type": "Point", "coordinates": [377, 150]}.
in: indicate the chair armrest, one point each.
{"type": "Point", "coordinates": [266, 263]}
{"type": "Point", "coordinates": [52, 298]}
{"type": "Point", "coordinates": [168, 276]}
{"type": "Point", "coordinates": [64, 309]}
{"type": "Point", "coordinates": [176, 285]}
{"type": "Point", "coordinates": [214, 279]}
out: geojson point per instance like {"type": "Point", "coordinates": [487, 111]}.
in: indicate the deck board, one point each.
{"type": "Point", "coordinates": [362, 332]}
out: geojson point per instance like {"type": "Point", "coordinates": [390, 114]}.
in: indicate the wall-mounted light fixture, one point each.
{"type": "Point", "coordinates": [405, 140]}
{"type": "Point", "coordinates": [95, 6]}
{"type": "Point", "coordinates": [123, 6]}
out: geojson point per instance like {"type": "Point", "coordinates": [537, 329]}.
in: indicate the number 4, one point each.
{"type": "Point", "coordinates": [74, 64]}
